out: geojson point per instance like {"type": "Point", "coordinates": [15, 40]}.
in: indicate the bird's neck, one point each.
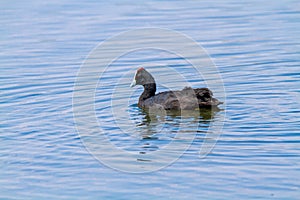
{"type": "Point", "coordinates": [149, 91]}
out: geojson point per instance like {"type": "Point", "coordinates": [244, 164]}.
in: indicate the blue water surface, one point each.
{"type": "Point", "coordinates": [254, 44]}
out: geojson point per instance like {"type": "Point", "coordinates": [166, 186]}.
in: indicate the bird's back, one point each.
{"type": "Point", "coordinates": [186, 99]}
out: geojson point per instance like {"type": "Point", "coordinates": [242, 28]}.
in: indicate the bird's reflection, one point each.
{"type": "Point", "coordinates": [158, 127]}
{"type": "Point", "coordinates": [204, 114]}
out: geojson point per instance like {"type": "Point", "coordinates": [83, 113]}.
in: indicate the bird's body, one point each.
{"type": "Point", "coordinates": [186, 99]}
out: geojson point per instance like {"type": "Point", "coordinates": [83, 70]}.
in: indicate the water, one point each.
{"type": "Point", "coordinates": [255, 47]}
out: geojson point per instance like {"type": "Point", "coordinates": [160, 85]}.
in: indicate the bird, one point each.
{"type": "Point", "coordinates": [185, 99]}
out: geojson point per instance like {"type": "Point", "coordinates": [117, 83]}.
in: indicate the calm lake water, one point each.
{"type": "Point", "coordinates": [256, 48]}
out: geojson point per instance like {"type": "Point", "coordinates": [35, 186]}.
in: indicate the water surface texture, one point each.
{"type": "Point", "coordinates": [255, 46]}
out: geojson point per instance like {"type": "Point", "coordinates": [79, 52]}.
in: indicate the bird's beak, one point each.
{"type": "Point", "coordinates": [133, 83]}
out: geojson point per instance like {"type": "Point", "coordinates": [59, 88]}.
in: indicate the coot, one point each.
{"type": "Point", "coordinates": [186, 99]}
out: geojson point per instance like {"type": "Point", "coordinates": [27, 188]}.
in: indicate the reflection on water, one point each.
{"type": "Point", "coordinates": [158, 128]}
{"type": "Point", "coordinates": [202, 115]}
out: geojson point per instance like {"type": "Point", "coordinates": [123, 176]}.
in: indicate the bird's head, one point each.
{"type": "Point", "coordinates": [142, 77]}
